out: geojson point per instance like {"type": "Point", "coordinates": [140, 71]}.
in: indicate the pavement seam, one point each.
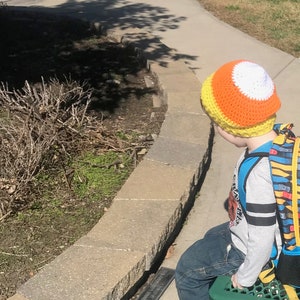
{"type": "Point", "coordinates": [285, 67]}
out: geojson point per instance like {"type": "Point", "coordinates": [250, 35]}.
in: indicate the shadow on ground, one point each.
{"type": "Point", "coordinates": [124, 15]}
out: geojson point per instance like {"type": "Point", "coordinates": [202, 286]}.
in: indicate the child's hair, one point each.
{"type": "Point", "coordinates": [241, 98]}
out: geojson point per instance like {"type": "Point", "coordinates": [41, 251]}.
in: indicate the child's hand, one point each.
{"type": "Point", "coordinates": [235, 283]}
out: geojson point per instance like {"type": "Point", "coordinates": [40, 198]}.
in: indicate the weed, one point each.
{"type": "Point", "coordinates": [275, 1]}
{"type": "Point", "coordinates": [232, 7]}
{"type": "Point", "coordinates": [122, 135]}
{"type": "Point", "coordinates": [297, 47]}
{"type": "Point", "coordinates": [99, 175]}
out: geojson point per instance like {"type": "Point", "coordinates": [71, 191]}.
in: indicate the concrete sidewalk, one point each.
{"type": "Point", "coordinates": [186, 44]}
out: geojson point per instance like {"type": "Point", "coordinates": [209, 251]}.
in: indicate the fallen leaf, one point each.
{"type": "Point", "coordinates": [170, 251]}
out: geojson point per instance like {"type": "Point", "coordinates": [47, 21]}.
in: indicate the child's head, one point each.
{"type": "Point", "coordinates": [241, 98]}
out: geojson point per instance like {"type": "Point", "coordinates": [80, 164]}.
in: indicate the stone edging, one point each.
{"type": "Point", "coordinates": [147, 213]}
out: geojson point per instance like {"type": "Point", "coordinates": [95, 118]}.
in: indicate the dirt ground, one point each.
{"type": "Point", "coordinates": [34, 46]}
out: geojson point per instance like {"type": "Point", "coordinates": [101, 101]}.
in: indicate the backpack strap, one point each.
{"type": "Point", "coordinates": [249, 162]}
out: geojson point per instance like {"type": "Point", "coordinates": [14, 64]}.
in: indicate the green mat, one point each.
{"type": "Point", "coordinates": [223, 290]}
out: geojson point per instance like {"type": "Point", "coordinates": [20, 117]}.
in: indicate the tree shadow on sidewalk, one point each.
{"type": "Point", "coordinates": [123, 15]}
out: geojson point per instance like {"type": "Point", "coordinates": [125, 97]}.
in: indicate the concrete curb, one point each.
{"type": "Point", "coordinates": [133, 236]}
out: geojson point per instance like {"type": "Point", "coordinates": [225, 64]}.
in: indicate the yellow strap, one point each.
{"type": "Point", "coordinates": [291, 292]}
{"type": "Point", "coordinates": [294, 193]}
{"type": "Point", "coordinates": [266, 276]}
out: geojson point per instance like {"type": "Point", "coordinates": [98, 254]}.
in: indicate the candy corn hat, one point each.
{"type": "Point", "coordinates": [241, 98]}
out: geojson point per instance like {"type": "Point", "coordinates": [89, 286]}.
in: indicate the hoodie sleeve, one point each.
{"type": "Point", "coordinates": [261, 223]}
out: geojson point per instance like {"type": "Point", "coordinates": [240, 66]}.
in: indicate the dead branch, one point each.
{"type": "Point", "coordinates": [38, 124]}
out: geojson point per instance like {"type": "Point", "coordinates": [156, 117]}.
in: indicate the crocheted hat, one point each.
{"type": "Point", "coordinates": [241, 98]}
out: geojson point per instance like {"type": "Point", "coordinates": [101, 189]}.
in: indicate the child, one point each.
{"type": "Point", "coordinates": [240, 98]}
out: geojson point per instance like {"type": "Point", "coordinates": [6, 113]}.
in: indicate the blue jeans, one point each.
{"type": "Point", "coordinates": [206, 259]}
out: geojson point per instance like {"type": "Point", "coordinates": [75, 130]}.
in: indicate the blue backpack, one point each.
{"type": "Point", "coordinates": [284, 157]}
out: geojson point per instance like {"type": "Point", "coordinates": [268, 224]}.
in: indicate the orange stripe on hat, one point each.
{"type": "Point", "coordinates": [237, 106]}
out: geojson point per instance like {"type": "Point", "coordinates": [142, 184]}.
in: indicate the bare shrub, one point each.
{"type": "Point", "coordinates": [39, 126]}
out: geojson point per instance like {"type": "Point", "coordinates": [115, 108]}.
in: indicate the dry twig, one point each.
{"type": "Point", "coordinates": [38, 125]}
